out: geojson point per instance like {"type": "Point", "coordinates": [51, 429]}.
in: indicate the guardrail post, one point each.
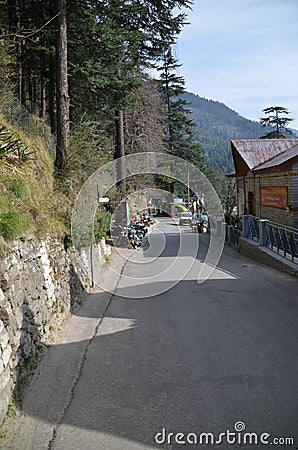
{"type": "Point", "coordinates": [229, 233]}
{"type": "Point", "coordinates": [224, 227]}
{"type": "Point", "coordinates": [245, 225]}
{"type": "Point", "coordinates": [263, 232]}
{"type": "Point", "coordinates": [218, 227]}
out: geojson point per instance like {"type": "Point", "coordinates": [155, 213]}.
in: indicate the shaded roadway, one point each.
{"type": "Point", "coordinates": [195, 358]}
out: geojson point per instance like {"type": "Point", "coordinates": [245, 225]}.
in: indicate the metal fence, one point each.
{"type": "Point", "coordinates": [279, 238]}
{"type": "Point", "coordinates": [233, 236]}
{"type": "Point", "coordinates": [282, 240]}
{"type": "Point", "coordinates": [253, 228]}
{"type": "Point", "coordinates": [18, 116]}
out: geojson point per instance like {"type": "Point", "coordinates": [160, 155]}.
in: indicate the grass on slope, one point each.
{"type": "Point", "coordinates": [28, 203]}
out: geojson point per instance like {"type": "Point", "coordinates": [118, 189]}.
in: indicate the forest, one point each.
{"type": "Point", "coordinates": [216, 125]}
{"type": "Point", "coordinates": [82, 69]}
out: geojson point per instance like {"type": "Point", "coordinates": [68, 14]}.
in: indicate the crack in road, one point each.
{"type": "Point", "coordinates": [68, 403]}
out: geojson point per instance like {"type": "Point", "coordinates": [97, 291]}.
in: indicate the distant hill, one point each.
{"type": "Point", "coordinates": [216, 126]}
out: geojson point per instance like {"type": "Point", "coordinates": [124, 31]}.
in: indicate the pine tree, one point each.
{"type": "Point", "coordinates": [273, 119]}
{"type": "Point", "coordinates": [109, 45]}
{"type": "Point", "coordinates": [62, 148]}
{"type": "Point", "coordinates": [179, 125]}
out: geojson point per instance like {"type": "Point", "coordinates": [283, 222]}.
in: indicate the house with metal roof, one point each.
{"type": "Point", "coordinates": [266, 172]}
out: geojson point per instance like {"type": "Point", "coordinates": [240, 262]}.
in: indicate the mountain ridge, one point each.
{"type": "Point", "coordinates": [216, 125]}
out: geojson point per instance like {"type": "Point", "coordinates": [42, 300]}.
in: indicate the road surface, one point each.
{"type": "Point", "coordinates": [150, 366]}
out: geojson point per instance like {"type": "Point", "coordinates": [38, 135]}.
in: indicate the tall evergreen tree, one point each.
{"type": "Point", "coordinates": [273, 119]}
{"type": "Point", "coordinates": [62, 148]}
{"type": "Point", "coordinates": [127, 37]}
{"type": "Point", "coordinates": [179, 125]}
{"type": "Point", "coordinates": [109, 45]}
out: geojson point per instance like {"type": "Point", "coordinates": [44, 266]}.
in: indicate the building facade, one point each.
{"type": "Point", "coordinates": [266, 172]}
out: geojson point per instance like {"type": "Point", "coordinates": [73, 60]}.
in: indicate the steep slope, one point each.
{"type": "Point", "coordinates": [28, 203]}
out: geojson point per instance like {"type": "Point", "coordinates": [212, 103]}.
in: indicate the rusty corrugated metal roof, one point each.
{"type": "Point", "coordinates": [255, 152]}
{"type": "Point", "coordinates": [288, 156]}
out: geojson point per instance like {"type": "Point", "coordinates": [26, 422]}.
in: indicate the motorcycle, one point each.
{"type": "Point", "coordinates": [202, 226]}
{"type": "Point", "coordinates": [133, 237]}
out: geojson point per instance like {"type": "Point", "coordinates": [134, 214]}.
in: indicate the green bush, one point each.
{"type": "Point", "coordinates": [11, 225]}
{"type": "Point", "coordinates": [10, 145]}
{"type": "Point", "coordinates": [17, 187]}
{"type": "Point", "coordinates": [101, 224]}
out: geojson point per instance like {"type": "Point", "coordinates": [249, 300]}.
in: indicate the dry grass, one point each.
{"type": "Point", "coordinates": [28, 202]}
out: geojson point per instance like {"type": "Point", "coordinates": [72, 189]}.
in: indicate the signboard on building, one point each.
{"type": "Point", "coordinates": [274, 196]}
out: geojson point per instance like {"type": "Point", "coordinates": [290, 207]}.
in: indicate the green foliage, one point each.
{"type": "Point", "coordinates": [179, 125]}
{"type": "Point", "coordinates": [11, 224]}
{"type": "Point", "coordinates": [102, 223]}
{"type": "Point", "coordinates": [91, 147]}
{"type": "Point", "coordinates": [27, 370]}
{"type": "Point", "coordinates": [216, 125]}
{"type": "Point", "coordinates": [273, 119]}
{"type": "Point", "coordinates": [84, 236]}
{"type": "Point", "coordinates": [17, 187]}
{"type": "Point", "coordinates": [27, 200]}
{"type": "Point", "coordinates": [12, 408]}
{"type": "Point", "coordinates": [110, 43]}
{"type": "Point", "coordinates": [10, 145]}
{"type": "Point", "coordinates": [7, 59]}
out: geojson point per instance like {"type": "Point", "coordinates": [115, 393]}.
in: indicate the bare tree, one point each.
{"type": "Point", "coordinates": [62, 150]}
{"type": "Point", "coordinates": [230, 200]}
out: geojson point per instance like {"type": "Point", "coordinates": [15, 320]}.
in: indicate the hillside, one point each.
{"type": "Point", "coordinates": [216, 126]}
{"type": "Point", "coordinates": [28, 203]}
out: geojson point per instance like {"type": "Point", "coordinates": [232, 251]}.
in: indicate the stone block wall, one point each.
{"type": "Point", "coordinates": [40, 284]}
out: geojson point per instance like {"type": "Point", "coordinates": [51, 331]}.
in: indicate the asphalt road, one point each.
{"type": "Point", "coordinates": [159, 356]}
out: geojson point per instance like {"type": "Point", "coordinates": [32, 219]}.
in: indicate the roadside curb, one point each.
{"type": "Point", "coordinates": [263, 255]}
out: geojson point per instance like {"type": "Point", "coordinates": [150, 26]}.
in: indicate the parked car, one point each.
{"type": "Point", "coordinates": [185, 218]}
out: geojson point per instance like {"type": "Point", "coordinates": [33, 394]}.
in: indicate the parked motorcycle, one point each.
{"type": "Point", "coordinates": [134, 237]}
{"type": "Point", "coordinates": [134, 233]}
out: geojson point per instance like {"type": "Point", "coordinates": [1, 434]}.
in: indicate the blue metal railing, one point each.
{"type": "Point", "coordinates": [282, 240]}
{"type": "Point", "coordinates": [234, 236]}
{"type": "Point", "coordinates": [253, 228]}
{"type": "Point", "coordinates": [278, 238]}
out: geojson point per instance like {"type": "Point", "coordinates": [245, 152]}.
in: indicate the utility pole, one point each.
{"type": "Point", "coordinates": [188, 195]}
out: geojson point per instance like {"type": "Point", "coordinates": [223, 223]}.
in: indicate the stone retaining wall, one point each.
{"type": "Point", "coordinates": [40, 284]}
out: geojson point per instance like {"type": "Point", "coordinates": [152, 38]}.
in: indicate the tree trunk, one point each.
{"type": "Point", "coordinates": [120, 148]}
{"type": "Point", "coordinates": [30, 89]}
{"type": "Point", "coordinates": [23, 89]}
{"type": "Point", "coordinates": [14, 23]}
{"type": "Point", "coordinates": [52, 94]}
{"type": "Point", "coordinates": [62, 149]}
{"type": "Point", "coordinates": [42, 92]}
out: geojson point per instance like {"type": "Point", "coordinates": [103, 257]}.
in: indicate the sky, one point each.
{"type": "Point", "coordinates": [243, 53]}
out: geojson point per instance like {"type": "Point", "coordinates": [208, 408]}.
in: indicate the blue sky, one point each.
{"type": "Point", "coordinates": [243, 53]}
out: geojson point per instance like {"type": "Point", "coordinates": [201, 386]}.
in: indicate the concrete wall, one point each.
{"type": "Point", "coordinates": [263, 255]}
{"type": "Point", "coordinates": [40, 284]}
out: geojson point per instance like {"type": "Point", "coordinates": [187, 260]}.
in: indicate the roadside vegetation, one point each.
{"type": "Point", "coordinates": [28, 202]}
{"type": "Point", "coordinates": [55, 131]}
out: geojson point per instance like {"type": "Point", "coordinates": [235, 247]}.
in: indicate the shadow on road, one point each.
{"type": "Point", "coordinates": [194, 359]}
{"type": "Point", "coordinates": [197, 358]}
